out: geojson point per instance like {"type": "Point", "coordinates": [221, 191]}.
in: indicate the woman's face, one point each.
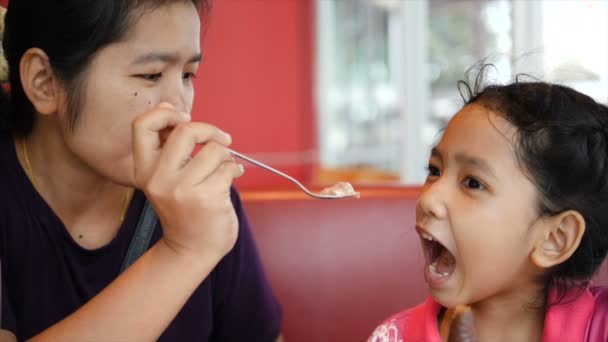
{"type": "Point", "coordinates": [477, 212]}
{"type": "Point", "coordinates": [155, 63]}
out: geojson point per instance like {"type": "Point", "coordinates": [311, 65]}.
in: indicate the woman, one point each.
{"type": "Point", "coordinates": [98, 120]}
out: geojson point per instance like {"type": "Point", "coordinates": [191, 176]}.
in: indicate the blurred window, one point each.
{"type": "Point", "coordinates": [387, 71]}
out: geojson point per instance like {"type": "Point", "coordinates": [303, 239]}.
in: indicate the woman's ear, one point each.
{"type": "Point", "coordinates": [39, 82]}
{"type": "Point", "coordinates": [561, 237]}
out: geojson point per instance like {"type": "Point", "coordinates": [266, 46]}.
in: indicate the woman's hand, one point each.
{"type": "Point", "coordinates": [191, 195]}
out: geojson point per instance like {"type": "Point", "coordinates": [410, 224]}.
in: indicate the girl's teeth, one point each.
{"type": "Point", "coordinates": [427, 237]}
{"type": "Point", "coordinates": [434, 271]}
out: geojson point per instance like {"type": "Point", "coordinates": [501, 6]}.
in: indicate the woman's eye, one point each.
{"type": "Point", "coordinates": [151, 77]}
{"type": "Point", "coordinates": [473, 183]}
{"type": "Point", "coordinates": [433, 171]}
{"type": "Point", "coordinates": [189, 76]}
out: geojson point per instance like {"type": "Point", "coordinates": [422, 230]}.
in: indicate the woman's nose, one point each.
{"type": "Point", "coordinates": [176, 94]}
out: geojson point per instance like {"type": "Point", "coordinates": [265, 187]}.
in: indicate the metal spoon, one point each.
{"type": "Point", "coordinates": [286, 176]}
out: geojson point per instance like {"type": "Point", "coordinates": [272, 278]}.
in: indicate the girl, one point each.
{"type": "Point", "coordinates": [513, 219]}
{"type": "Point", "coordinates": [100, 96]}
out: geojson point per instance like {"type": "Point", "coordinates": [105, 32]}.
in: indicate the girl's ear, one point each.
{"type": "Point", "coordinates": [561, 237]}
{"type": "Point", "coordinates": [39, 82]}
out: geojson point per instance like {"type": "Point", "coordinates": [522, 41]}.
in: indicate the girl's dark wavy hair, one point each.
{"type": "Point", "coordinates": [70, 32]}
{"type": "Point", "coordinates": [562, 145]}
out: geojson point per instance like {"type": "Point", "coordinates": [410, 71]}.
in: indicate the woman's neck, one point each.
{"type": "Point", "coordinates": [78, 195]}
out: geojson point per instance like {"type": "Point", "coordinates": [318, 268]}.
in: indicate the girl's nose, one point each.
{"type": "Point", "coordinates": [431, 202]}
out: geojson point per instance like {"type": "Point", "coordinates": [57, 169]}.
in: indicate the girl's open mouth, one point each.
{"type": "Point", "coordinates": [439, 262]}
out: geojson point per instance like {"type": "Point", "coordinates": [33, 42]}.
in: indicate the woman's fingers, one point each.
{"type": "Point", "coordinates": [205, 162]}
{"type": "Point", "coordinates": [147, 138]}
{"type": "Point", "coordinates": [177, 151]}
{"type": "Point", "coordinates": [221, 179]}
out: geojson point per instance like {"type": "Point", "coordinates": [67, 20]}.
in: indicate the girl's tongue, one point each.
{"type": "Point", "coordinates": [443, 264]}
{"type": "Point", "coordinates": [440, 263]}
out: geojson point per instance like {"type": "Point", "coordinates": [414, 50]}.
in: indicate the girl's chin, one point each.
{"type": "Point", "coordinates": [448, 296]}
{"type": "Point", "coordinates": [446, 300]}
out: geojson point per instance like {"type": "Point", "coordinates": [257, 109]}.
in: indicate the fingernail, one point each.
{"type": "Point", "coordinates": [186, 116]}
{"type": "Point", "coordinates": [241, 168]}
{"type": "Point", "coordinates": [166, 105]}
{"type": "Point", "coordinates": [228, 136]}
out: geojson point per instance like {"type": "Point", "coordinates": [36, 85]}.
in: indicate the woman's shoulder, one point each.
{"type": "Point", "coordinates": [6, 139]}
{"type": "Point", "coordinates": [8, 160]}
{"type": "Point", "coordinates": [418, 323]}
{"type": "Point", "coordinates": [7, 147]}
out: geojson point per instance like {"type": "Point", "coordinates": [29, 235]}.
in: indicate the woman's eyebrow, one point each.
{"type": "Point", "coordinates": [164, 57]}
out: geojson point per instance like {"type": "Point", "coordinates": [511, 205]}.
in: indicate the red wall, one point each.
{"type": "Point", "coordinates": [255, 81]}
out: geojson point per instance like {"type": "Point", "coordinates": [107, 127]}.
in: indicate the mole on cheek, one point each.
{"type": "Point", "coordinates": [135, 94]}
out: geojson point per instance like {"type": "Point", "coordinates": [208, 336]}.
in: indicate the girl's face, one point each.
{"type": "Point", "coordinates": [477, 212]}
{"type": "Point", "coordinates": [155, 63]}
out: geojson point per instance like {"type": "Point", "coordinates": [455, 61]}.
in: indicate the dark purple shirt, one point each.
{"type": "Point", "coordinates": [46, 275]}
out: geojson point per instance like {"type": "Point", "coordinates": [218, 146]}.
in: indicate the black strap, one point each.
{"type": "Point", "coordinates": [143, 235]}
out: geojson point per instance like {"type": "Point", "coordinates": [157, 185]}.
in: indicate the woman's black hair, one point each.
{"type": "Point", "coordinates": [562, 145]}
{"type": "Point", "coordinates": [70, 32]}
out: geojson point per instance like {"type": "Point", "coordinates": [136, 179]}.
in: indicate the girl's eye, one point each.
{"type": "Point", "coordinates": [433, 171]}
{"type": "Point", "coordinates": [473, 183]}
{"type": "Point", "coordinates": [151, 77]}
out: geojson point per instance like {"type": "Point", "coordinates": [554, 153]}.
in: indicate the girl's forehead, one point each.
{"type": "Point", "coordinates": [478, 131]}
{"type": "Point", "coordinates": [477, 123]}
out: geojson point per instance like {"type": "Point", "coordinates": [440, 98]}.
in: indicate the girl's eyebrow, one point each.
{"type": "Point", "coordinates": [435, 153]}
{"type": "Point", "coordinates": [475, 162]}
{"type": "Point", "coordinates": [466, 159]}
{"type": "Point", "coordinates": [164, 57]}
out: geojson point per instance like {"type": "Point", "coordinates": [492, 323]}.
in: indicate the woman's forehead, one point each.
{"type": "Point", "coordinates": [173, 21]}
{"type": "Point", "coordinates": [167, 30]}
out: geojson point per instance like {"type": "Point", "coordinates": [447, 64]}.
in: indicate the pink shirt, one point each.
{"type": "Point", "coordinates": [583, 319]}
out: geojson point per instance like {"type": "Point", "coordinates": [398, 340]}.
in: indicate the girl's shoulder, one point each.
{"type": "Point", "coordinates": [598, 325]}
{"type": "Point", "coordinates": [391, 330]}
{"type": "Point", "coordinates": [583, 318]}
{"type": "Point", "coordinates": [415, 324]}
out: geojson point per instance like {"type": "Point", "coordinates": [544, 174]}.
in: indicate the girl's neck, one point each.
{"type": "Point", "coordinates": [515, 317]}
{"type": "Point", "coordinates": [78, 195]}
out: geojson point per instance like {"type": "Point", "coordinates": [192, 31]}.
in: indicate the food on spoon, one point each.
{"type": "Point", "coordinates": [340, 189]}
